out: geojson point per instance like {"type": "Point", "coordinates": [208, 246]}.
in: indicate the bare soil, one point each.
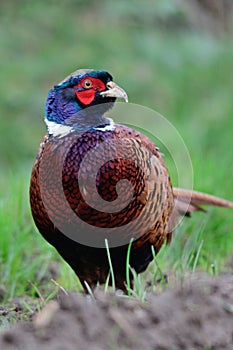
{"type": "Point", "coordinates": [197, 315]}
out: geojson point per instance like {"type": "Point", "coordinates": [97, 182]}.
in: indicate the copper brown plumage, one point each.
{"type": "Point", "coordinates": [73, 134]}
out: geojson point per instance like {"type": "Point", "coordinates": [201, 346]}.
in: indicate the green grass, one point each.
{"type": "Point", "coordinates": [182, 72]}
{"type": "Point", "coordinates": [25, 258]}
{"type": "Point", "coordinates": [20, 260]}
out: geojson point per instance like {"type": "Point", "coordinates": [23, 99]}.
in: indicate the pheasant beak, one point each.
{"type": "Point", "coordinates": [114, 91]}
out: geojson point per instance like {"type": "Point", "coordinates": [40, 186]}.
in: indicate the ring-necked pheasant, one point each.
{"type": "Point", "coordinates": [61, 187]}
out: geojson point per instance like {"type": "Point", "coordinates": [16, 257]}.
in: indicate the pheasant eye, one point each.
{"type": "Point", "coordinates": [87, 84]}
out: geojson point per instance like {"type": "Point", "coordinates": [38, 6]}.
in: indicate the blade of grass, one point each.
{"type": "Point", "coordinates": [106, 286]}
{"type": "Point", "coordinates": [110, 264]}
{"type": "Point", "coordinates": [159, 271]}
{"type": "Point", "coordinates": [89, 290]}
{"type": "Point", "coordinates": [197, 256]}
{"type": "Point", "coordinates": [128, 267]}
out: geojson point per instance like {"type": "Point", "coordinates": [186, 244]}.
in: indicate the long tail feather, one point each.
{"type": "Point", "coordinates": [195, 199]}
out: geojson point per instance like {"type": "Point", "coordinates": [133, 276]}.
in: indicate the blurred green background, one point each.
{"type": "Point", "coordinates": [170, 55]}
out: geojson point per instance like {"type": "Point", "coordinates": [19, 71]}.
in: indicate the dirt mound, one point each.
{"type": "Point", "coordinates": [198, 315]}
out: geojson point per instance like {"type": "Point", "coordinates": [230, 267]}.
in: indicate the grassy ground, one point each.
{"type": "Point", "coordinates": [163, 62]}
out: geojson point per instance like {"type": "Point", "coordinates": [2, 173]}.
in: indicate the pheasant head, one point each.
{"type": "Point", "coordinates": [67, 103]}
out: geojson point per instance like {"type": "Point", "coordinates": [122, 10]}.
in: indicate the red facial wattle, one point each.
{"type": "Point", "coordinates": [85, 93]}
{"type": "Point", "coordinates": [86, 97]}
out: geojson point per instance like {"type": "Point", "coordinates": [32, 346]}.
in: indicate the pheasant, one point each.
{"type": "Point", "coordinates": [95, 180]}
